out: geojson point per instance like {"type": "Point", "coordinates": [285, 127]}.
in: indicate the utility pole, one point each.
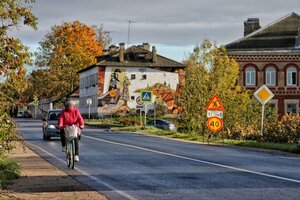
{"type": "Point", "coordinates": [128, 34]}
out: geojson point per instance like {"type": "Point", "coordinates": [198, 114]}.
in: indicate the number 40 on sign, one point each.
{"type": "Point", "coordinates": [214, 124]}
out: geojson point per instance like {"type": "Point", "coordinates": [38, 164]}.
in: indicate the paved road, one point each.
{"type": "Point", "coordinates": [130, 166]}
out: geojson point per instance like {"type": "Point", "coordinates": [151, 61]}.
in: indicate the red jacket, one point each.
{"type": "Point", "coordinates": [70, 117]}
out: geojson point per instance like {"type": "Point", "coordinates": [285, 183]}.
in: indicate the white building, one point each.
{"type": "Point", "coordinates": [125, 73]}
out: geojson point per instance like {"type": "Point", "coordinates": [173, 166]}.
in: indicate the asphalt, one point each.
{"type": "Point", "coordinates": [131, 166]}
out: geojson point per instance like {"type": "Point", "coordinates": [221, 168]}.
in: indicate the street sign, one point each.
{"type": "Point", "coordinates": [35, 103]}
{"type": "Point", "coordinates": [89, 101]}
{"type": "Point", "coordinates": [146, 96]}
{"type": "Point", "coordinates": [214, 124]}
{"type": "Point", "coordinates": [263, 94]}
{"type": "Point", "coordinates": [138, 101]}
{"type": "Point", "coordinates": [215, 104]}
{"type": "Point", "coordinates": [112, 93]}
{"type": "Point", "coordinates": [215, 113]}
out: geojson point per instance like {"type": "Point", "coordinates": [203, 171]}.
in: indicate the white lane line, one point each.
{"type": "Point", "coordinates": [124, 194]}
{"type": "Point", "coordinates": [196, 160]}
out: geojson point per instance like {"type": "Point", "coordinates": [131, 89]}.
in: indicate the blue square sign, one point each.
{"type": "Point", "coordinates": [146, 96]}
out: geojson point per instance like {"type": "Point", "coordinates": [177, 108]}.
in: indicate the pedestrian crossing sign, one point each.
{"type": "Point", "coordinates": [146, 96]}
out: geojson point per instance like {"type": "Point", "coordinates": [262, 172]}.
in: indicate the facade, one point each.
{"type": "Point", "coordinates": [271, 55]}
{"type": "Point", "coordinates": [124, 73]}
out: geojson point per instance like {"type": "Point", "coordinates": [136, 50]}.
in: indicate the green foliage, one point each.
{"type": "Point", "coordinates": [211, 72]}
{"type": "Point", "coordinates": [7, 130]}
{"type": "Point", "coordinates": [9, 170]}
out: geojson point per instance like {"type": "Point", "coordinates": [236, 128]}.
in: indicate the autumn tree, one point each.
{"type": "Point", "coordinates": [103, 36]}
{"type": "Point", "coordinates": [14, 55]}
{"type": "Point", "coordinates": [64, 51]}
{"type": "Point", "coordinates": [211, 72]}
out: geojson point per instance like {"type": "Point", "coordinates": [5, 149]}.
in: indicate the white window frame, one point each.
{"type": "Point", "coordinates": [251, 71]}
{"type": "Point", "coordinates": [271, 71]}
{"type": "Point", "coordinates": [289, 76]}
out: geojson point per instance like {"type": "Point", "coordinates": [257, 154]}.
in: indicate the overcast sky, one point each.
{"type": "Point", "coordinates": [174, 26]}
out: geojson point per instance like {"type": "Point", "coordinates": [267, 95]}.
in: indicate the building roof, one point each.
{"type": "Point", "coordinates": [135, 56]}
{"type": "Point", "coordinates": [283, 34]}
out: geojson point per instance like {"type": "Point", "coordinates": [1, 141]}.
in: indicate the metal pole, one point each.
{"type": "Point", "coordinates": [141, 120]}
{"type": "Point", "coordinates": [262, 120]}
{"type": "Point", "coordinates": [129, 22]}
{"type": "Point", "coordinates": [154, 113]}
{"type": "Point", "coordinates": [89, 111]}
{"type": "Point", "coordinates": [145, 114]}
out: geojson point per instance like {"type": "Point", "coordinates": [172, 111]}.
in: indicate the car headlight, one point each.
{"type": "Point", "coordinates": [51, 126]}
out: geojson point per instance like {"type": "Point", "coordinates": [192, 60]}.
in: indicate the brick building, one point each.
{"type": "Point", "coordinates": [271, 55]}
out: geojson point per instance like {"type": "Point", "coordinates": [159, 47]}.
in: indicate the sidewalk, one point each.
{"type": "Point", "coordinates": [41, 180]}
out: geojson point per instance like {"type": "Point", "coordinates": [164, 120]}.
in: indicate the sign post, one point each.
{"type": "Point", "coordinates": [263, 95]}
{"type": "Point", "coordinates": [89, 103]}
{"type": "Point", "coordinates": [215, 111]}
{"type": "Point", "coordinates": [146, 97]}
{"type": "Point", "coordinates": [35, 104]}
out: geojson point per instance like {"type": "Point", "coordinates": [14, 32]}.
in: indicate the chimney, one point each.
{"type": "Point", "coordinates": [146, 46]}
{"type": "Point", "coordinates": [251, 25]}
{"type": "Point", "coordinates": [121, 52]}
{"type": "Point", "coordinates": [154, 55]}
{"type": "Point", "coordinates": [112, 49]}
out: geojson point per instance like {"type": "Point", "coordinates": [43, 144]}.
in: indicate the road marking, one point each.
{"type": "Point", "coordinates": [124, 194]}
{"type": "Point", "coordinates": [196, 160]}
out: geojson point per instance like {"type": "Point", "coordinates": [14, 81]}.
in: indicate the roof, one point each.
{"type": "Point", "coordinates": [135, 56]}
{"type": "Point", "coordinates": [74, 93]}
{"type": "Point", "coordinates": [283, 34]}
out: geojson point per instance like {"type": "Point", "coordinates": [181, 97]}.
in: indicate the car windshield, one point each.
{"type": "Point", "coordinates": [53, 115]}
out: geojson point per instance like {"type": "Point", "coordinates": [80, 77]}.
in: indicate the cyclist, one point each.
{"type": "Point", "coordinates": [68, 117]}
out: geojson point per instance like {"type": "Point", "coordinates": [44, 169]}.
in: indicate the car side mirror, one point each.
{"type": "Point", "coordinates": [44, 119]}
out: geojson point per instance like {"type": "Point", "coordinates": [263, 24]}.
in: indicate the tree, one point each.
{"type": "Point", "coordinates": [103, 36]}
{"type": "Point", "coordinates": [211, 72]}
{"type": "Point", "coordinates": [68, 48]}
{"type": "Point", "coordinates": [14, 55]}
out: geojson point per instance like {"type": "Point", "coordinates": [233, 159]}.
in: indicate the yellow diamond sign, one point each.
{"type": "Point", "coordinates": [263, 94]}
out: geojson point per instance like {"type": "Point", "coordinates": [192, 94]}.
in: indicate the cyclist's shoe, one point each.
{"type": "Point", "coordinates": [76, 158]}
{"type": "Point", "coordinates": [63, 148]}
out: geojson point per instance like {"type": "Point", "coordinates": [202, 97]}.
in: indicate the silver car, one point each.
{"type": "Point", "coordinates": [50, 123]}
{"type": "Point", "coordinates": [163, 124]}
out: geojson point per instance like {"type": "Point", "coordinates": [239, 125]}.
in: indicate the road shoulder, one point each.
{"type": "Point", "coordinates": [41, 180]}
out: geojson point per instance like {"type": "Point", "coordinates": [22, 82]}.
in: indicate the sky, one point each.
{"type": "Point", "coordinates": [173, 26]}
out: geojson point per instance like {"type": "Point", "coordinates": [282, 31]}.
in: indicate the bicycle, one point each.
{"type": "Point", "coordinates": [71, 133]}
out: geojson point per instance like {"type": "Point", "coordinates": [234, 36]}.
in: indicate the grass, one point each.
{"type": "Point", "coordinates": [9, 170]}
{"type": "Point", "coordinates": [292, 148]}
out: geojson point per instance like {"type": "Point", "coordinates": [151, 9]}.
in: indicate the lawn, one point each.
{"type": "Point", "coordinates": [9, 170]}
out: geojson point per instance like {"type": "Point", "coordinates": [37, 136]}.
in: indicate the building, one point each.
{"type": "Point", "coordinates": [115, 81]}
{"type": "Point", "coordinates": [271, 55]}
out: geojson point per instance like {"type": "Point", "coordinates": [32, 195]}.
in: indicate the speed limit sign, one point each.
{"type": "Point", "coordinates": [214, 124]}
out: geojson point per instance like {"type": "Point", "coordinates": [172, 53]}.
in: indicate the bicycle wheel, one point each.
{"type": "Point", "coordinates": [72, 153]}
{"type": "Point", "coordinates": [68, 155]}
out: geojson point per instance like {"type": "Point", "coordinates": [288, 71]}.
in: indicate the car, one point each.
{"type": "Point", "coordinates": [50, 123]}
{"type": "Point", "coordinates": [24, 114]}
{"type": "Point", "coordinates": [163, 124]}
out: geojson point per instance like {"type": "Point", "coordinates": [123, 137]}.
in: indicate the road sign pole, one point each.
{"type": "Point", "coordinates": [145, 115]}
{"type": "Point", "coordinates": [154, 114]}
{"type": "Point", "coordinates": [89, 111]}
{"type": "Point", "coordinates": [141, 118]}
{"type": "Point", "coordinates": [262, 120]}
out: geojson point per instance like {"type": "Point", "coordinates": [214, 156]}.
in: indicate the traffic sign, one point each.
{"type": "Point", "coordinates": [112, 93]}
{"type": "Point", "coordinates": [263, 94]}
{"type": "Point", "coordinates": [215, 113]}
{"type": "Point", "coordinates": [138, 101]}
{"type": "Point", "coordinates": [215, 104]}
{"type": "Point", "coordinates": [89, 101]}
{"type": "Point", "coordinates": [146, 96]}
{"type": "Point", "coordinates": [214, 124]}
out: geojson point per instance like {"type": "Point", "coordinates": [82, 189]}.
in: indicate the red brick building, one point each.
{"type": "Point", "coordinates": [271, 55]}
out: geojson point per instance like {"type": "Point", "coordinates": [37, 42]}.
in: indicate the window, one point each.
{"type": "Point", "coordinates": [271, 76]}
{"type": "Point", "coordinates": [144, 77]}
{"type": "Point", "coordinates": [250, 76]}
{"type": "Point", "coordinates": [291, 108]}
{"type": "Point", "coordinates": [291, 76]}
{"type": "Point", "coordinates": [132, 77]}
{"type": "Point", "coordinates": [132, 98]}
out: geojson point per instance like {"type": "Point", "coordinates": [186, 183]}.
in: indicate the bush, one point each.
{"type": "Point", "coordinates": [9, 170]}
{"type": "Point", "coordinates": [127, 121]}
